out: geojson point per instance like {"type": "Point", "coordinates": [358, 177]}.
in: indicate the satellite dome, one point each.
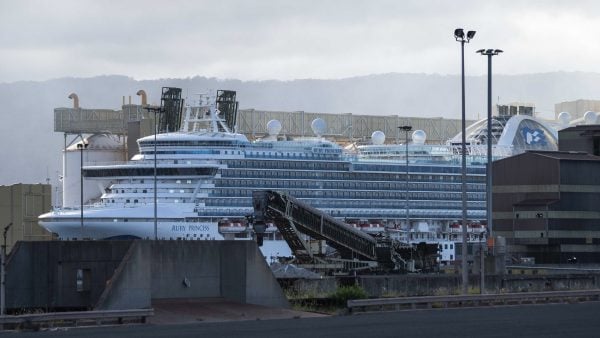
{"type": "Point", "coordinates": [273, 127]}
{"type": "Point", "coordinates": [590, 117]}
{"type": "Point", "coordinates": [564, 118]}
{"type": "Point", "coordinates": [378, 137]}
{"type": "Point", "coordinates": [419, 137]}
{"type": "Point", "coordinates": [319, 126]}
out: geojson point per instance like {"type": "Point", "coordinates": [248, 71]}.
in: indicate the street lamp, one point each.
{"type": "Point", "coordinates": [3, 286]}
{"type": "Point", "coordinates": [155, 110]}
{"type": "Point", "coordinates": [459, 35]}
{"type": "Point", "coordinates": [489, 53]}
{"type": "Point", "coordinates": [81, 146]}
{"type": "Point", "coordinates": [406, 130]}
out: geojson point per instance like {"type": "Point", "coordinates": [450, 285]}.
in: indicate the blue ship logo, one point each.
{"type": "Point", "coordinates": [534, 136]}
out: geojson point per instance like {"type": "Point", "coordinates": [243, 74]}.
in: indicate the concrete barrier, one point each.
{"type": "Point", "coordinates": [75, 318]}
{"type": "Point", "coordinates": [399, 303]}
{"type": "Point", "coordinates": [110, 275]}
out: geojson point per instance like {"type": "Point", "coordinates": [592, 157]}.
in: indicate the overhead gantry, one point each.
{"type": "Point", "coordinates": [301, 225]}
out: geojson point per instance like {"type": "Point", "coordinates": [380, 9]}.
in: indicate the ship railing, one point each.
{"type": "Point", "coordinates": [149, 162]}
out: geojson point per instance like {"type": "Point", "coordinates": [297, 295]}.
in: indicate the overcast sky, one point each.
{"type": "Point", "coordinates": [279, 39]}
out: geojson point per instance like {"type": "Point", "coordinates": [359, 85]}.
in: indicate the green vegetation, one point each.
{"type": "Point", "coordinates": [332, 303]}
{"type": "Point", "coordinates": [344, 293]}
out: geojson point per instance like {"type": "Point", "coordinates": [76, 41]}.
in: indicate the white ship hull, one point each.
{"type": "Point", "coordinates": [120, 223]}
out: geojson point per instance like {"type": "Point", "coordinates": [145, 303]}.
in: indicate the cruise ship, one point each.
{"type": "Point", "coordinates": [206, 173]}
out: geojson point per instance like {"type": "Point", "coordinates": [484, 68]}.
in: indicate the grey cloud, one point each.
{"type": "Point", "coordinates": [322, 39]}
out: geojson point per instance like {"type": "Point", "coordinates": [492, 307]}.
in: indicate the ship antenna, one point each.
{"type": "Point", "coordinates": [213, 116]}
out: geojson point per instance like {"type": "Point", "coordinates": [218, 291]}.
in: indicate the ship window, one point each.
{"type": "Point", "coordinates": [178, 181]}
{"type": "Point", "coordinates": [141, 181]}
{"type": "Point", "coordinates": [135, 201]}
{"type": "Point", "coordinates": [144, 191]}
{"type": "Point", "coordinates": [126, 201]}
{"type": "Point", "coordinates": [189, 181]}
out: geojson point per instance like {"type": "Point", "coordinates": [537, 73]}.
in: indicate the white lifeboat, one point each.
{"type": "Point", "coordinates": [372, 227]}
{"type": "Point", "coordinates": [270, 227]}
{"type": "Point", "coordinates": [231, 226]}
{"type": "Point", "coordinates": [476, 227]}
{"type": "Point", "coordinates": [455, 227]}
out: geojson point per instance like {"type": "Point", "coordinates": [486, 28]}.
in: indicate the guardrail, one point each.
{"type": "Point", "coordinates": [401, 303]}
{"type": "Point", "coordinates": [74, 318]}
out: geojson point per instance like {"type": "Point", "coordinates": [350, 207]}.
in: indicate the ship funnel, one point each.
{"type": "Point", "coordinates": [142, 93]}
{"type": "Point", "coordinates": [75, 99]}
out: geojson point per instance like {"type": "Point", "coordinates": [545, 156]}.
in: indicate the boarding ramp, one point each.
{"type": "Point", "coordinates": [294, 218]}
{"type": "Point", "coordinates": [303, 226]}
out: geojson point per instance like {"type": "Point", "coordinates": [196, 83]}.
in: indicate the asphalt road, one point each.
{"type": "Point", "coordinates": [550, 320]}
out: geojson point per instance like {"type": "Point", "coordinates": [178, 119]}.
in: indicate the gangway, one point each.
{"type": "Point", "coordinates": [293, 218]}
{"type": "Point", "coordinates": [301, 225]}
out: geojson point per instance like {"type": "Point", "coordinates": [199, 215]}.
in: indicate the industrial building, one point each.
{"type": "Point", "coordinates": [576, 108]}
{"type": "Point", "coordinates": [136, 121]}
{"type": "Point", "coordinates": [20, 206]}
{"type": "Point", "coordinates": [546, 206]}
{"type": "Point", "coordinates": [514, 108]}
{"type": "Point", "coordinates": [585, 138]}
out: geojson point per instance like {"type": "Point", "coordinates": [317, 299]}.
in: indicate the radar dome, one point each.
{"type": "Point", "coordinates": [273, 127]}
{"type": "Point", "coordinates": [564, 118]}
{"type": "Point", "coordinates": [378, 137]}
{"type": "Point", "coordinates": [319, 126]}
{"type": "Point", "coordinates": [419, 137]}
{"type": "Point", "coordinates": [590, 117]}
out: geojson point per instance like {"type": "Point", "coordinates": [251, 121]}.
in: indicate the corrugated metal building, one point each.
{"type": "Point", "coordinates": [546, 205]}
{"type": "Point", "coordinates": [20, 206]}
{"type": "Point", "coordinates": [584, 138]}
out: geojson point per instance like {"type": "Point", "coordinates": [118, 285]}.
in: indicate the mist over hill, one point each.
{"type": "Point", "coordinates": [31, 150]}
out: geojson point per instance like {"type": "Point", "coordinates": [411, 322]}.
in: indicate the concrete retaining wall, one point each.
{"type": "Point", "coordinates": [186, 269]}
{"type": "Point", "coordinates": [430, 285]}
{"type": "Point", "coordinates": [129, 274]}
{"type": "Point", "coordinates": [130, 286]}
{"type": "Point", "coordinates": [44, 274]}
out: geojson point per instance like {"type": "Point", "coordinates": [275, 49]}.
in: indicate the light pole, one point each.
{"type": "Point", "coordinates": [155, 110]}
{"type": "Point", "coordinates": [459, 35]}
{"type": "Point", "coordinates": [3, 286]}
{"type": "Point", "coordinates": [489, 53]}
{"type": "Point", "coordinates": [81, 146]}
{"type": "Point", "coordinates": [406, 130]}
{"type": "Point", "coordinates": [155, 182]}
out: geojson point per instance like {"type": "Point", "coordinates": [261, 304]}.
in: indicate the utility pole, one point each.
{"type": "Point", "coordinates": [3, 274]}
